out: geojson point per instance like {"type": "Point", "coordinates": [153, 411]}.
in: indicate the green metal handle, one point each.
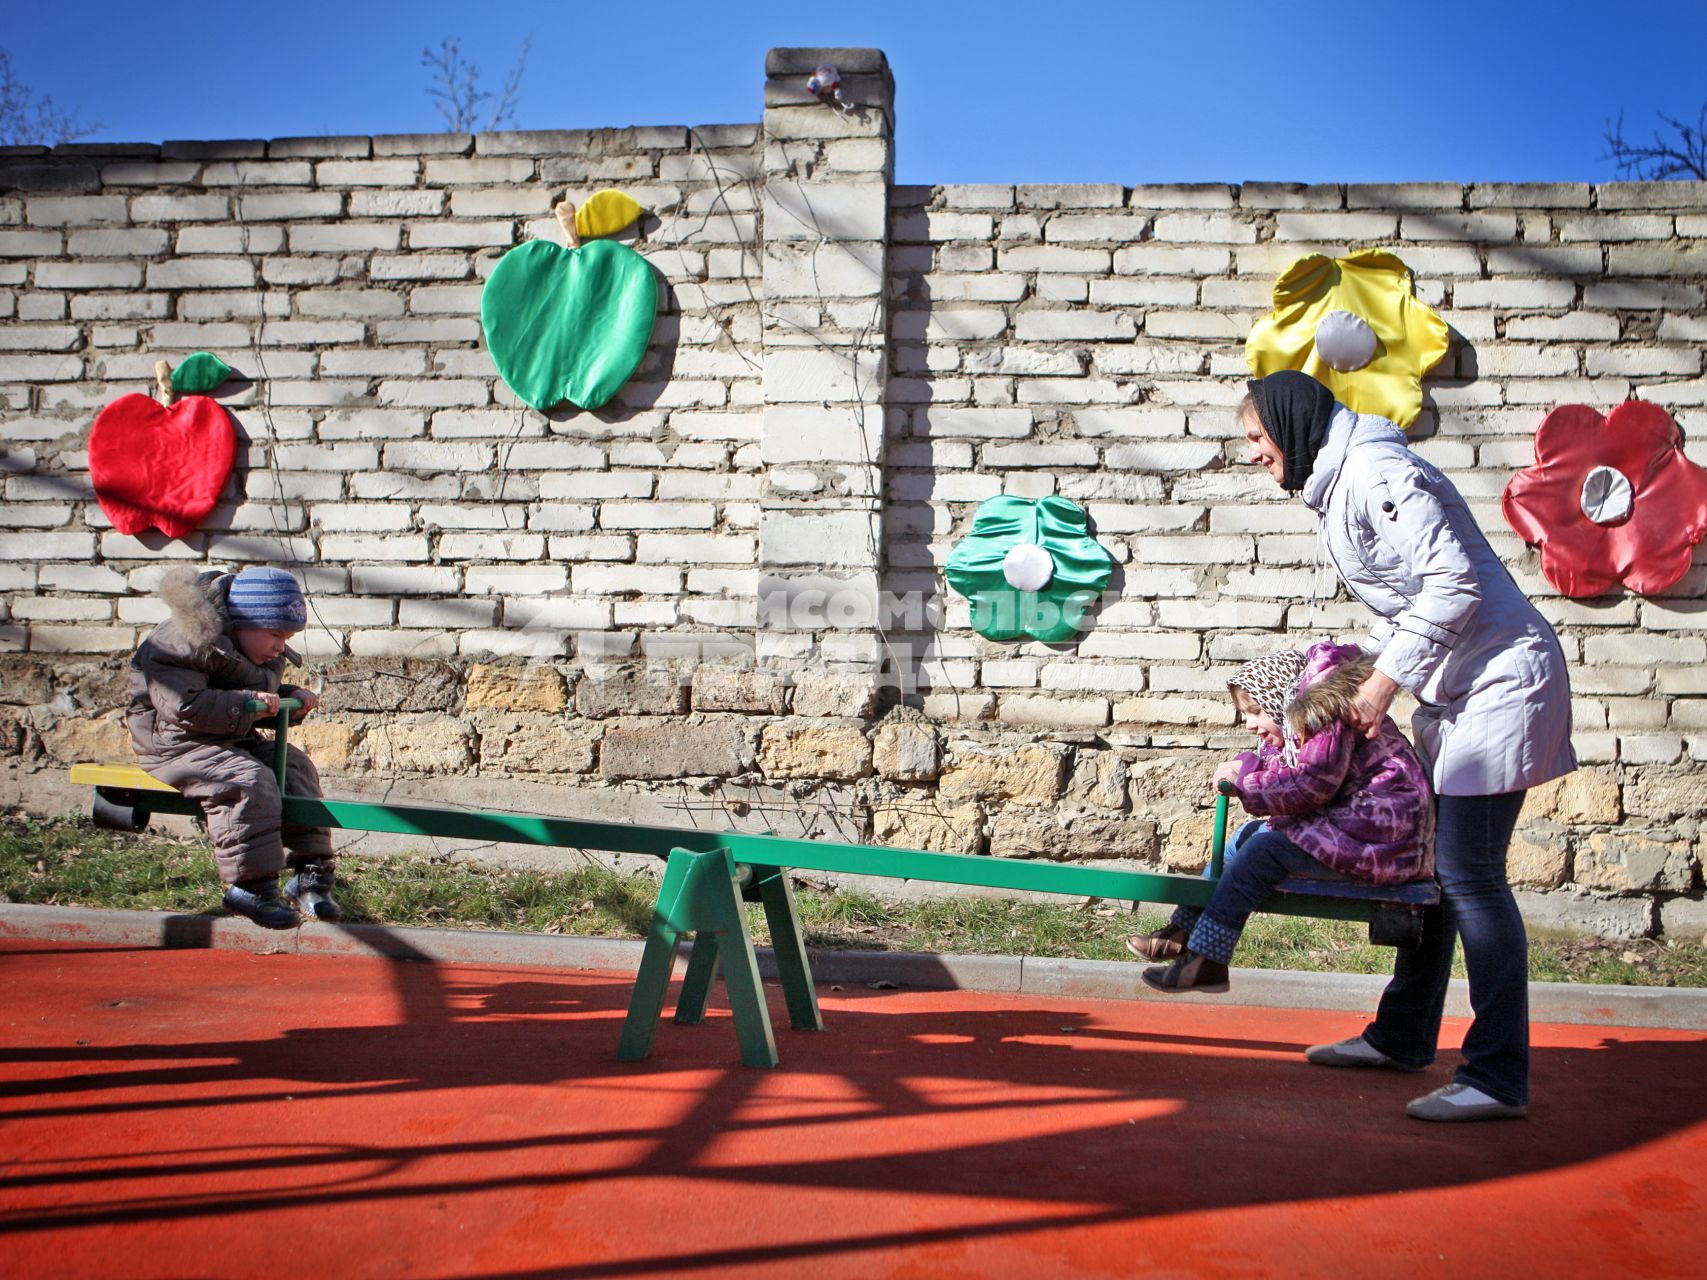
{"type": "Point", "coordinates": [286, 706]}
{"type": "Point", "coordinates": [1218, 849]}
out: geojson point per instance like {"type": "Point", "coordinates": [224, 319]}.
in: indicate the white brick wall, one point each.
{"type": "Point", "coordinates": [366, 405]}
{"type": "Point", "coordinates": [842, 369]}
{"type": "Point", "coordinates": [1150, 298]}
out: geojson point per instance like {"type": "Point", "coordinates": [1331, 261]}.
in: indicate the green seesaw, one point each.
{"type": "Point", "coordinates": [708, 875]}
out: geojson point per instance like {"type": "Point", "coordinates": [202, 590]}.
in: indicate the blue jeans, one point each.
{"type": "Point", "coordinates": [1471, 838]}
{"type": "Point", "coordinates": [1255, 861]}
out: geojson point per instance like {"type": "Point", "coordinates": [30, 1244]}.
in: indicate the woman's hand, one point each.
{"type": "Point", "coordinates": [1369, 706]}
{"type": "Point", "coordinates": [1228, 772]}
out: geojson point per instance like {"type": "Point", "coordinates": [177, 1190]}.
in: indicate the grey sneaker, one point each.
{"type": "Point", "coordinates": [1355, 1052]}
{"type": "Point", "coordinates": [1445, 1104]}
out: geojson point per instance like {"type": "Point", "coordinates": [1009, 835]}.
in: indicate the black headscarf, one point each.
{"type": "Point", "coordinates": [1295, 410]}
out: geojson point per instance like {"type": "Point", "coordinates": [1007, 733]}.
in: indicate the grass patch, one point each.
{"type": "Point", "coordinates": [70, 862]}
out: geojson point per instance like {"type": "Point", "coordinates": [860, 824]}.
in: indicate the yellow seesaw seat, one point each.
{"type": "Point", "coordinates": [128, 776]}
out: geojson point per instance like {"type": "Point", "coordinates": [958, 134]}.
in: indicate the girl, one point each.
{"type": "Point", "coordinates": [1338, 803]}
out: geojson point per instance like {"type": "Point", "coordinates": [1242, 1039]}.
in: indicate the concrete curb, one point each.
{"type": "Point", "coordinates": [1683, 1009]}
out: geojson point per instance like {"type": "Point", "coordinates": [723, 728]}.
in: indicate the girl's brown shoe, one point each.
{"type": "Point", "coordinates": [1164, 944]}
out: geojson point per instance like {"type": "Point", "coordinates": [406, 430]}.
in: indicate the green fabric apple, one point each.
{"type": "Point", "coordinates": [568, 324]}
{"type": "Point", "coordinates": [1029, 567]}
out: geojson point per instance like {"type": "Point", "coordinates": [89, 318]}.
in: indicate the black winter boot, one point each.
{"type": "Point", "coordinates": [1191, 972]}
{"type": "Point", "coordinates": [311, 886]}
{"type": "Point", "coordinates": [260, 901]}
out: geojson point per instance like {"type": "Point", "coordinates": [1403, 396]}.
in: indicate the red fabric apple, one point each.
{"type": "Point", "coordinates": [158, 466]}
{"type": "Point", "coordinates": [1610, 499]}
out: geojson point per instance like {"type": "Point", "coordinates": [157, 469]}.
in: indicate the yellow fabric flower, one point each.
{"type": "Point", "coordinates": [1354, 325]}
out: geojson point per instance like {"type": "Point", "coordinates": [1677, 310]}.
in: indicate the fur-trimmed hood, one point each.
{"type": "Point", "coordinates": [1329, 683]}
{"type": "Point", "coordinates": [197, 601]}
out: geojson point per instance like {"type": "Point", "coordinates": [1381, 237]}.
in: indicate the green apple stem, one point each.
{"type": "Point", "coordinates": [565, 211]}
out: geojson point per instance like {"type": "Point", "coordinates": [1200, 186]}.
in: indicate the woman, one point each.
{"type": "Point", "coordinates": [1493, 719]}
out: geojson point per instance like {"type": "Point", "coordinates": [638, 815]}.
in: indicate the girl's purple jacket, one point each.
{"type": "Point", "coordinates": [1362, 806]}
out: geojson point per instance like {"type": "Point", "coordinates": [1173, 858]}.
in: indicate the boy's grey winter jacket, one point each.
{"type": "Point", "coordinates": [189, 682]}
{"type": "Point", "coordinates": [189, 685]}
{"type": "Point", "coordinates": [1494, 711]}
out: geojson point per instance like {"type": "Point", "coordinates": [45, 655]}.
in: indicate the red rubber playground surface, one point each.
{"type": "Point", "coordinates": [213, 1113]}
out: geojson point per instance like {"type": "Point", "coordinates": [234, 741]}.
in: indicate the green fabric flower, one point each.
{"type": "Point", "coordinates": [1029, 567]}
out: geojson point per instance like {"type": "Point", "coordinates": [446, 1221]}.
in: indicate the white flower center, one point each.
{"type": "Point", "coordinates": [1028, 567]}
{"type": "Point", "coordinates": [1345, 341]}
{"type": "Point", "coordinates": [1607, 496]}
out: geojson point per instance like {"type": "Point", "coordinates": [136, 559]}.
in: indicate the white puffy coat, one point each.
{"type": "Point", "coordinates": [1494, 699]}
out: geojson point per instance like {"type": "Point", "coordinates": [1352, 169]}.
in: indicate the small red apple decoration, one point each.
{"type": "Point", "coordinates": [161, 466]}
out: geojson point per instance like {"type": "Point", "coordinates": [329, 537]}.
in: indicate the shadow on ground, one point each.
{"type": "Point", "coordinates": [202, 1089]}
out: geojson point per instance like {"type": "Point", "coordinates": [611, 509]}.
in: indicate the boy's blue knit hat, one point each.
{"type": "Point", "coordinates": [266, 599]}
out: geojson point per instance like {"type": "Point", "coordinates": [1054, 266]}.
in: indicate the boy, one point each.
{"type": "Point", "coordinates": [190, 684]}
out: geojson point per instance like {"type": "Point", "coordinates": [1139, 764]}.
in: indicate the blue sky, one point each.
{"type": "Point", "coordinates": [1073, 91]}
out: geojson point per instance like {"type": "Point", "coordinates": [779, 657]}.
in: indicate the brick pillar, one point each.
{"type": "Point", "coordinates": [826, 217]}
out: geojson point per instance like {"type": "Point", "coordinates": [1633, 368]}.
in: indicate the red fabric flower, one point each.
{"type": "Point", "coordinates": [1610, 499]}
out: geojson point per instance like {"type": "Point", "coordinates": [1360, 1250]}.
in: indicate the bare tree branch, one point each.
{"type": "Point", "coordinates": [509, 97]}
{"type": "Point", "coordinates": [29, 119]}
{"type": "Point", "coordinates": [1683, 154]}
{"type": "Point", "coordinates": [455, 89]}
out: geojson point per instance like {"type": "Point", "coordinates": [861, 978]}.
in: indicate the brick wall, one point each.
{"type": "Point", "coordinates": [732, 573]}
{"type": "Point", "coordinates": [432, 514]}
{"type": "Point", "coordinates": [1089, 341]}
